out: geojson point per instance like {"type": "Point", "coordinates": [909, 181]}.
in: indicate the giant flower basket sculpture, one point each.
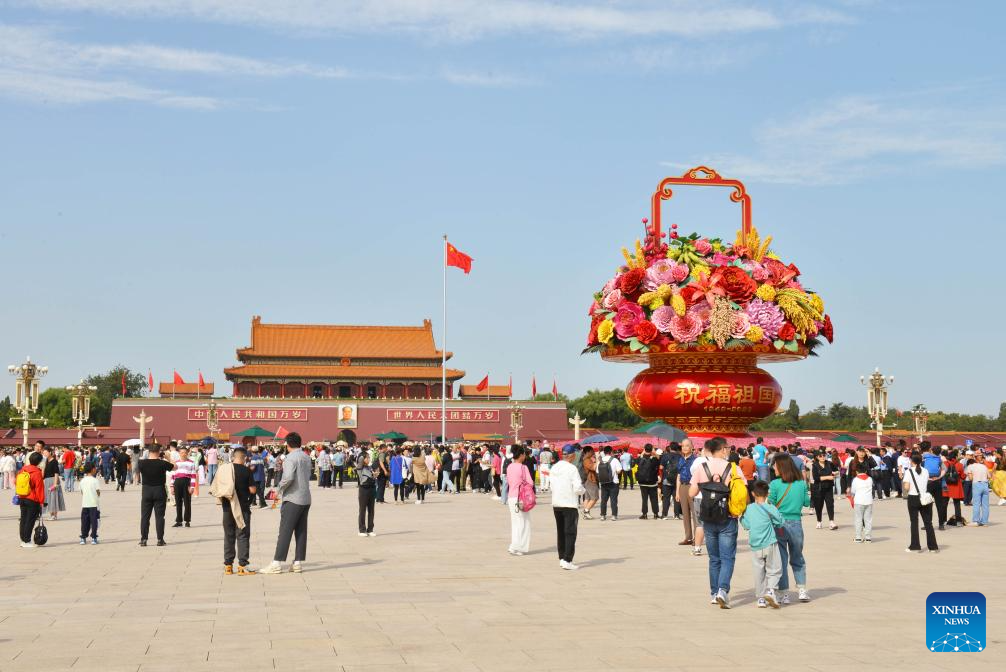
{"type": "Point", "coordinates": [703, 312]}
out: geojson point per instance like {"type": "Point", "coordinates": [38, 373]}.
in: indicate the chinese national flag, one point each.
{"type": "Point", "coordinates": [123, 383]}
{"type": "Point", "coordinates": [483, 384]}
{"type": "Point", "coordinates": [150, 380]}
{"type": "Point", "coordinates": [534, 387]}
{"type": "Point", "coordinates": [178, 379]}
{"type": "Point", "coordinates": [201, 383]}
{"type": "Point", "coordinates": [509, 387]}
{"type": "Point", "coordinates": [555, 390]}
{"type": "Point", "coordinates": [281, 432]}
{"type": "Point", "coordinates": [456, 257]}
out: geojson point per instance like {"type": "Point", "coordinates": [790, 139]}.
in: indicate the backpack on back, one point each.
{"type": "Point", "coordinates": [738, 495]}
{"type": "Point", "coordinates": [22, 486]}
{"type": "Point", "coordinates": [604, 472]}
{"type": "Point", "coordinates": [715, 505]}
{"type": "Point", "coordinates": [952, 476]}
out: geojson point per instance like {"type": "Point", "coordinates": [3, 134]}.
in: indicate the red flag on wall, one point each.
{"type": "Point", "coordinates": [509, 387]}
{"type": "Point", "coordinates": [555, 390]}
{"type": "Point", "coordinates": [201, 383]}
{"type": "Point", "coordinates": [178, 379]}
{"type": "Point", "coordinates": [483, 384]}
{"type": "Point", "coordinates": [281, 432]}
{"type": "Point", "coordinates": [150, 381]}
{"type": "Point", "coordinates": [456, 257]}
{"type": "Point", "coordinates": [534, 387]}
{"type": "Point", "coordinates": [123, 383]}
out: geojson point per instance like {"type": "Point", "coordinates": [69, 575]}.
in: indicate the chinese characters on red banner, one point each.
{"type": "Point", "coordinates": [255, 414]}
{"type": "Point", "coordinates": [724, 395]}
{"type": "Point", "coordinates": [433, 415]}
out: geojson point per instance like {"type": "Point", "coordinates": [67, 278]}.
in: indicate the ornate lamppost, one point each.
{"type": "Point", "coordinates": [81, 407]}
{"type": "Point", "coordinates": [921, 415]}
{"type": "Point", "coordinates": [26, 394]}
{"type": "Point", "coordinates": [212, 418]}
{"type": "Point", "coordinates": [876, 399]}
{"type": "Point", "coordinates": [516, 420]}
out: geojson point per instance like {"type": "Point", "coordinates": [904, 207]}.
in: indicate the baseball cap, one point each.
{"type": "Point", "coordinates": [568, 449]}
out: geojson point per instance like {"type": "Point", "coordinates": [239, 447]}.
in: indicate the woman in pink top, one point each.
{"type": "Point", "coordinates": [497, 473]}
{"type": "Point", "coordinates": [520, 521]}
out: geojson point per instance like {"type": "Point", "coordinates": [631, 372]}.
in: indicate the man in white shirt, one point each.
{"type": "Point", "coordinates": [978, 474]}
{"type": "Point", "coordinates": [608, 469]}
{"type": "Point", "coordinates": [566, 489]}
{"type": "Point", "coordinates": [545, 466]}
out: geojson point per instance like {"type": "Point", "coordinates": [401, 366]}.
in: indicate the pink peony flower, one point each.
{"type": "Point", "coordinates": [766, 315]}
{"type": "Point", "coordinates": [664, 272]}
{"type": "Point", "coordinates": [628, 316]}
{"type": "Point", "coordinates": [610, 285]}
{"type": "Point", "coordinates": [721, 259]}
{"type": "Point", "coordinates": [594, 307]}
{"type": "Point", "coordinates": [759, 272]}
{"type": "Point", "coordinates": [701, 311]}
{"type": "Point", "coordinates": [686, 328]}
{"type": "Point", "coordinates": [741, 324]}
{"type": "Point", "coordinates": [612, 299]}
{"type": "Point", "coordinates": [703, 246]}
{"type": "Point", "coordinates": [662, 317]}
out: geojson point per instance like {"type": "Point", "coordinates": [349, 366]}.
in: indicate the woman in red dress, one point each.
{"type": "Point", "coordinates": [954, 486]}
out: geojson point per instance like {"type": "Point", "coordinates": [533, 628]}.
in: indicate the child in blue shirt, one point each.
{"type": "Point", "coordinates": [760, 520]}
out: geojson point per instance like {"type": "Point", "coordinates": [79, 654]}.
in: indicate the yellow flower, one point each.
{"type": "Point", "coordinates": [755, 334]}
{"type": "Point", "coordinates": [656, 303]}
{"type": "Point", "coordinates": [664, 292]}
{"type": "Point", "coordinates": [772, 255]}
{"type": "Point", "coordinates": [606, 331]}
{"type": "Point", "coordinates": [698, 270]}
{"type": "Point", "coordinates": [646, 298]}
{"type": "Point", "coordinates": [705, 339]}
{"type": "Point", "coordinates": [678, 304]}
{"type": "Point", "coordinates": [766, 293]}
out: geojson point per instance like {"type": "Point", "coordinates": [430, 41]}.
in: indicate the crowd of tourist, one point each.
{"type": "Point", "coordinates": [713, 489]}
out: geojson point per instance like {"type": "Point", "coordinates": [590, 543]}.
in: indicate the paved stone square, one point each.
{"type": "Point", "coordinates": [436, 590]}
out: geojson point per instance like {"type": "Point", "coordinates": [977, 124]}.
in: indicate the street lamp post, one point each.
{"type": "Point", "coordinates": [81, 407]}
{"type": "Point", "coordinates": [516, 420]}
{"type": "Point", "coordinates": [876, 397]}
{"type": "Point", "coordinates": [921, 415]}
{"type": "Point", "coordinates": [26, 394]}
{"type": "Point", "coordinates": [212, 418]}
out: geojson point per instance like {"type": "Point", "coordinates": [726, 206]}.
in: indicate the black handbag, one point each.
{"type": "Point", "coordinates": [41, 534]}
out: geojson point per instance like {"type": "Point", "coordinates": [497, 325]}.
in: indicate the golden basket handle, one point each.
{"type": "Point", "coordinates": [701, 176]}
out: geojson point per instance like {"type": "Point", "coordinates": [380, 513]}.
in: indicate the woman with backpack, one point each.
{"type": "Point", "coordinates": [712, 478]}
{"type": "Point", "coordinates": [954, 487]}
{"type": "Point", "coordinates": [788, 493]}
{"type": "Point", "coordinates": [920, 503]}
{"type": "Point", "coordinates": [520, 502]}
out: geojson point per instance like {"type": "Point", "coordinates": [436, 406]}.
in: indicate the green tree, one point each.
{"type": "Point", "coordinates": [606, 409]}
{"type": "Point", "coordinates": [6, 413]}
{"type": "Point", "coordinates": [56, 407]}
{"type": "Point", "coordinates": [547, 396]}
{"type": "Point", "coordinates": [110, 387]}
{"type": "Point", "coordinates": [793, 414]}
{"type": "Point", "coordinates": [1001, 420]}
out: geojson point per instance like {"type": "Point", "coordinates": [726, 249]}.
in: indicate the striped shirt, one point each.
{"type": "Point", "coordinates": [184, 469]}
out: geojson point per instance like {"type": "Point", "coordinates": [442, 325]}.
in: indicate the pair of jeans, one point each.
{"type": "Point", "coordinates": [89, 522]}
{"type": "Point", "coordinates": [338, 472]}
{"type": "Point", "coordinates": [915, 510]}
{"type": "Point", "coordinates": [69, 476]}
{"type": "Point", "coordinates": [366, 496]}
{"type": "Point", "coordinates": [211, 472]}
{"type": "Point", "coordinates": [791, 550]}
{"type": "Point", "coordinates": [980, 502]}
{"type": "Point", "coordinates": [235, 536]}
{"type": "Point", "coordinates": [764, 473]}
{"type": "Point", "coordinates": [292, 523]}
{"type": "Point", "coordinates": [935, 488]}
{"type": "Point", "coordinates": [152, 499]}
{"type": "Point", "coordinates": [566, 520]}
{"type": "Point", "coordinates": [609, 491]}
{"type": "Point", "coordinates": [666, 498]}
{"type": "Point", "coordinates": [382, 483]}
{"type": "Point", "coordinates": [626, 478]}
{"type": "Point", "coordinates": [721, 545]}
{"type": "Point", "coordinates": [324, 478]}
{"type": "Point", "coordinates": [30, 512]}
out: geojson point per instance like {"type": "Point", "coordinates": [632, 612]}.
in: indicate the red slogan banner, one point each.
{"type": "Point", "coordinates": [223, 414]}
{"type": "Point", "coordinates": [433, 415]}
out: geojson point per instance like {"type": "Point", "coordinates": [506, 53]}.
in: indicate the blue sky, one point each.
{"type": "Point", "coordinates": [172, 168]}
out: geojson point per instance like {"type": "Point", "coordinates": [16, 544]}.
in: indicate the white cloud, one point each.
{"type": "Point", "coordinates": [473, 18]}
{"type": "Point", "coordinates": [855, 137]}
{"type": "Point", "coordinates": [484, 79]}
{"type": "Point", "coordinates": [35, 65]}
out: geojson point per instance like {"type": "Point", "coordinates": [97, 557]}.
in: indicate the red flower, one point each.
{"type": "Point", "coordinates": [592, 337]}
{"type": "Point", "coordinates": [788, 332]}
{"type": "Point", "coordinates": [631, 280]}
{"type": "Point", "coordinates": [737, 284]}
{"type": "Point", "coordinates": [646, 332]}
{"type": "Point", "coordinates": [828, 330]}
{"type": "Point", "coordinates": [781, 274]}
